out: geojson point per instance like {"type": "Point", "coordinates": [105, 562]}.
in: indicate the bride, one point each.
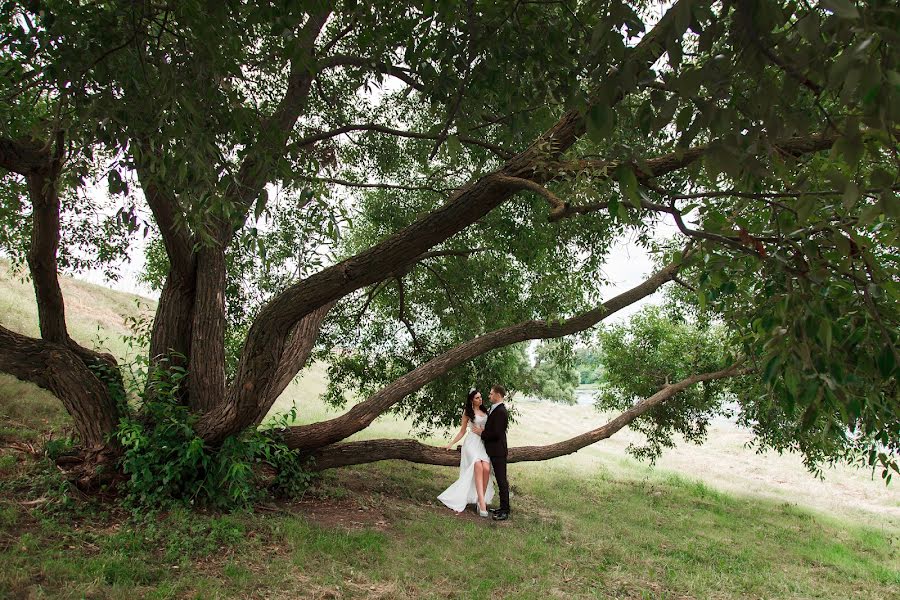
{"type": "Point", "coordinates": [473, 485]}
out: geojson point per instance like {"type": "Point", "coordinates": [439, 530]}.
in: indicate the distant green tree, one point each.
{"type": "Point", "coordinates": [588, 364]}
{"type": "Point", "coordinates": [553, 376]}
{"type": "Point", "coordinates": [651, 351]}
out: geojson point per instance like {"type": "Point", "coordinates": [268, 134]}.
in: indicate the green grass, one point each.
{"type": "Point", "coordinates": [571, 536]}
{"type": "Point", "coordinates": [589, 526]}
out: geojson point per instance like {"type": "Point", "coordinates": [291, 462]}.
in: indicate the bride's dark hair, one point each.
{"type": "Point", "coordinates": [468, 408]}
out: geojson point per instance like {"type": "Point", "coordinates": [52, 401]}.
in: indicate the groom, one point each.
{"type": "Point", "coordinates": [494, 437]}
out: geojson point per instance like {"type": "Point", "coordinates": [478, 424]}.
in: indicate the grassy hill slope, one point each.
{"type": "Point", "coordinates": [596, 524]}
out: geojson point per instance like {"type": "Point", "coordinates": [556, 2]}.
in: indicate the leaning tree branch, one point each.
{"type": "Point", "coordinates": [167, 213]}
{"type": "Point", "coordinates": [317, 435]}
{"type": "Point", "coordinates": [367, 451]}
{"type": "Point", "coordinates": [58, 368]}
{"type": "Point", "coordinates": [275, 130]}
{"type": "Point", "coordinates": [267, 335]}
{"type": "Point", "coordinates": [297, 351]}
{"type": "Point", "coordinates": [332, 133]}
{"type": "Point", "coordinates": [374, 185]}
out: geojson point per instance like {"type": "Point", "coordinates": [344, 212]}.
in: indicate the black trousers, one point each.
{"type": "Point", "coordinates": [499, 465]}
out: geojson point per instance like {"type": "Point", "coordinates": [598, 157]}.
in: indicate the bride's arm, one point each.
{"type": "Point", "coordinates": [462, 431]}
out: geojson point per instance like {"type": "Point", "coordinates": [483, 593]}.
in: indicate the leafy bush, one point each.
{"type": "Point", "coordinates": [168, 463]}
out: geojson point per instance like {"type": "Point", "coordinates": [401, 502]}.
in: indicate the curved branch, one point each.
{"type": "Point", "coordinates": [361, 416]}
{"type": "Point", "coordinates": [667, 163]}
{"type": "Point", "coordinates": [297, 351]}
{"type": "Point", "coordinates": [168, 215]}
{"type": "Point", "coordinates": [367, 451]}
{"type": "Point", "coordinates": [383, 186]}
{"type": "Point", "coordinates": [325, 135]}
{"type": "Point", "coordinates": [558, 207]}
{"type": "Point", "coordinates": [275, 130]}
{"type": "Point", "coordinates": [59, 369]}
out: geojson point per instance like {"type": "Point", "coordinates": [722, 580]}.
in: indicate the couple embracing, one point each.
{"type": "Point", "coordinates": [483, 449]}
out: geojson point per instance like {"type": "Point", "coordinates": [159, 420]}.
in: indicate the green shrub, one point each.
{"type": "Point", "coordinates": [167, 463]}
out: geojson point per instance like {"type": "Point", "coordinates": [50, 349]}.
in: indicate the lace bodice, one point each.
{"type": "Point", "coordinates": [480, 420]}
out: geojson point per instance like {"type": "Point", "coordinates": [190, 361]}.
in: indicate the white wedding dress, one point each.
{"type": "Point", "coordinates": [463, 491]}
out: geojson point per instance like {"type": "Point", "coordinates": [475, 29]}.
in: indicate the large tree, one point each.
{"type": "Point", "coordinates": [408, 190]}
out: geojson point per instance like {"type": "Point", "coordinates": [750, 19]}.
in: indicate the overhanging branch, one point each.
{"type": "Point", "coordinates": [332, 133]}
{"type": "Point", "coordinates": [359, 417]}
{"type": "Point", "coordinates": [367, 451]}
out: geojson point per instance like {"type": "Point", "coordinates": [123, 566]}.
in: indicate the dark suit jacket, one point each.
{"type": "Point", "coordinates": [494, 434]}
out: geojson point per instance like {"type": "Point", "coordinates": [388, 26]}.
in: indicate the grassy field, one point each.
{"type": "Point", "coordinates": [593, 525]}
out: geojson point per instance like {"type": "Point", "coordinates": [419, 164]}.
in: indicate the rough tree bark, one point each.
{"type": "Point", "coordinates": [61, 371]}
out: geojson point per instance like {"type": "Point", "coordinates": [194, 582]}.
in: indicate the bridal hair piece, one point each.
{"type": "Point", "coordinates": [473, 390]}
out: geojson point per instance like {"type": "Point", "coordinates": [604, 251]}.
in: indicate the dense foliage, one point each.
{"type": "Point", "coordinates": [256, 145]}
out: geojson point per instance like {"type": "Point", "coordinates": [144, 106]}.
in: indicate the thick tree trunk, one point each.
{"type": "Point", "coordinates": [171, 334]}
{"type": "Point", "coordinates": [216, 424]}
{"type": "Point", "coordinates": [58, 369]}
{"type": "Point", "coordinates": [206, 371]}
{"type": "Point", "coordinates": [42, 256]}
{"type": "Point", "coordinates": [354, 453]}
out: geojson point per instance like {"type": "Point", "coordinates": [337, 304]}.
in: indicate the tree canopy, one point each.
{"type": "Point", "coordinates": [407, 190]}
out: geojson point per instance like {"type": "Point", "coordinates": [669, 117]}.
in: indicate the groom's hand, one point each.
{"type": "Point", "coordinates": [477, 430]}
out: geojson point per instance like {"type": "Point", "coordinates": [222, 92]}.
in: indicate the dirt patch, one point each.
{"type": "Point", "coordinates": [346, 514]}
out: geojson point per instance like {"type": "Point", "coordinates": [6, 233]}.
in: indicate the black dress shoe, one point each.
{"type": "Point", "coordinates": [500, 515]}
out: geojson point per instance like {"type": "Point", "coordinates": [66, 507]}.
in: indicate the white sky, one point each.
{"type": "Point", "coordinates": [627, 266]}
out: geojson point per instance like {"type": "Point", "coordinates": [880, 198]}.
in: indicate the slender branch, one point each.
{"type": "Point", "coordinates": [384, 186]}
{"type": "Point", "coordinates": [373, 293]}
{"type": "Point", "coordinates": [401, 315]}
{"type": "Point", "coordinates": [558, 207]}
{"type": "Point", "coordinates": [347, 60]}
{"type": "Point", "coordinates": [353, 453]}
{"type": "Point", "coordinates": [765, 195]}
{"type": "Point", "coordinates": [467, 252]}
{"type": "Point", "coordinates": [324, 135]}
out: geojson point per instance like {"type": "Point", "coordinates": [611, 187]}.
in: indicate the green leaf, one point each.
{"type": "Point", "coordinates": [261, 202]}
{"type": "Point", "coordinates": [886, 361]}
{"type": "Point", "coordinates": [805, 206]}
{"type": "Point", "coordinates": [629, 185]}
{"type": "Point", "coordinates": [851, 195]}
{"type": "Point", "coordinates": [825, 333]}
{"type": "Point", "coordinates": [600, 122]}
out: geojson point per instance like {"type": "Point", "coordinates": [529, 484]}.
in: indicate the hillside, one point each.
{"type": "Point", "coordinates": [596, 524]}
